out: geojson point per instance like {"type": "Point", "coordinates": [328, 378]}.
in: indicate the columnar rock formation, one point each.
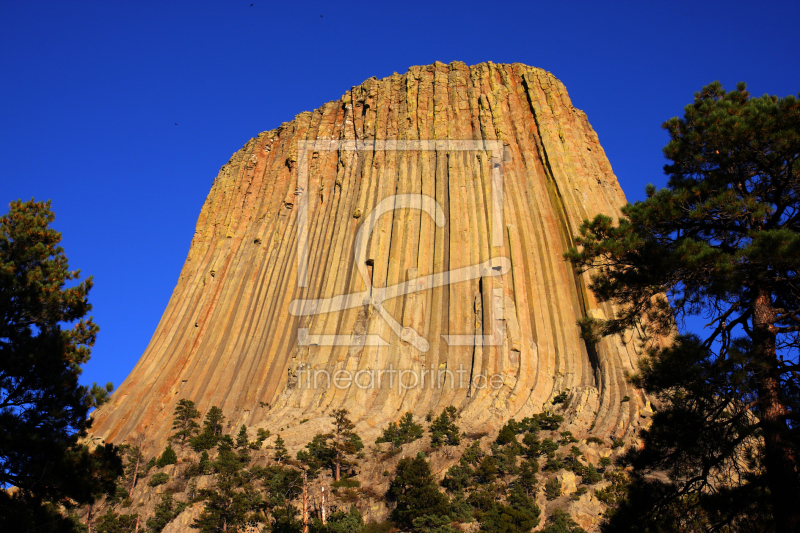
{"type": "Point", "coordinates": [230, 337]}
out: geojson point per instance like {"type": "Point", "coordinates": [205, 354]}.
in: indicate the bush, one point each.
{"type": "Point", "coordinates": [158, 479]}
{"type": "Point", "coordinates": [552, 489]}
{"type": "Point", "coordinates": [168, 457]}
{"type": "Point", "coordinates": [595, 440]}
{"type": "Point", "coordinates": [346, 483]}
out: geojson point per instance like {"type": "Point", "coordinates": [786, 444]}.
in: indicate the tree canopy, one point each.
{"type": "Point", "coordinates": [721, 241]}
{"type": "Point", "coordinates": [45, 338]}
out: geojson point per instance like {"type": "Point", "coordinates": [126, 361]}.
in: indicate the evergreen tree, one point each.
{"type": "Point", "coordinates": [184, 423]}
{"type": "Point", "coordinates": [444, 429]}
{"type": "Point", "coordinates": [332, 449]}
{"type": "Point", "coordinates": [229, 502]}
{"type": "Point", "coordinates": [519, 514]}
{"type": "Point", "coordinates": [722, 240]}
{"type": "Point", "coordinates": [168, 457]}
{"type": "Point", "coordinates": [45, 338]}
{"type": "Point", "coordinates": [241, 437]}
{"type": "Point", "coordinates": [166, 510]}
{"type": "Point", "coordinates": [414, 492]}
{"type": "Point", "coordinates": [280, 450]}
{"type": "Point", "coordinates": [112, 522]}
{"type": "Point", "coordinates": [345, 441]}
{"type": "Point", "coordinates": [346, 522]}
{"type": "Point", "coordinates": [401, 433]}
{"type": "Point", "coordinates": [561, 522]}
{"type": "Point", "coordinates": [212, 430]}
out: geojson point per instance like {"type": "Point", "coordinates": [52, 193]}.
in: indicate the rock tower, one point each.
{"type": "Point", "coordinates": [407, 237]}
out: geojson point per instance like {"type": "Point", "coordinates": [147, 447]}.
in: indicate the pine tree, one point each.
{"type": "Point", "coordinates": [280, 450]}
{"type": "Point", "coordinates": [415, 493]}
{"type": "Point", "coordinates": [112, 522]}
{"type": "Point", "coordinates": [722, 241]}
{"type": "Point", "coordinates": [185, 421]}
{"type": "Point", "coordinates": [401, 433]}
{"type": "Point", "coordinates": [45, 338]}
{"type": "Point", "coordinates": [444, 429]}
{"type": "Point", "coordinates": [345, 441]}
{"type": "Point", "coordinates": [212, 430]}
{"type": "Point", "coordinates": [168, 457]}
{"type": "Point", "coordinates": [241, 437]}
{"type": "Point", "coordinates": [332, 449]}
{"type": "Point", "coordinates": [166, 510]}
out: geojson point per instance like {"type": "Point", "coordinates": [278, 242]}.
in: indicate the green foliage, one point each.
{"type": "Point", "coordinates": [552, 489]}
{"type": "Point", "coordinates": [45, 339]}
{"type": "Point", "coordinates": [508, 433]}
{"type": "Point", "coordinates": [721, 241]}
{"type": "Point", "coordinates": [346, 522]}
{"type": "Point", "coordinates": [520, 514]}
{"type": "Point", "coordinates": [532, 446]}
{"type": "Point", "coordinates": [595, 440]}
{"type": "Point", "coordinates": [241, 437]}
{"type": "Point", "coordinates": [112, 522]}
{"type": "Point", "coordinates": [548, 448]}
{"type": "Point", "coordinates": [561, 397]}
{"type": "Point", "coordinates": [487, 470]}
{"type": "Point", "coordinates": [560, 522]}
{"type": "Point", "coordinates": [401, 433]}
{"type": "Point", "coordinates": [566, 438]}
{"type": "Point", "coordinates": [212, 430]}
{"type": "Point", "coordinates": [204, 466]}
{"type": "Point", "coordinates": [443, 429]}
{"type": "Point", "coordinates": [159, 478]}
{"type": "Point", "coordinates": [332, 450]}
{"type": "Point", "coordinates": [346, 483]}
{"type": "Point", "coordinates": [578, 493]}
{"type": "Point", "coordinates": [591, 476]}
{"type": "Point", "coordinates": [433, 524]}
{"type": "Point", "coordinates": [280, 454]}
{"type": "Point", "coordinates": [261, 436]}
{"type": "Point", "coordinates": [285, 520]}
{"type": "Point", "coordinates": [168, 457]}
{"type": "Point", "coordinates": [233, 498]}
{"type": "Point", "coordinates": [282, 484]}
{"type": "Point", "coordinates": [472, 454]}
{"type": "Point", "coordinates": [527, 476]}
{"type": "Point", "coordinates": [414, 492]}
{"type": "Point", "coordinates": [184, 421]}
{"type": "Point", "coordinates": [166, 510]}
{"type": "Point", "coordinates": [458, 478]}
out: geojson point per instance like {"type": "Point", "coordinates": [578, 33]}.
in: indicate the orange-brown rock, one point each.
{"type": "Point", "coordinates": [230, 337]}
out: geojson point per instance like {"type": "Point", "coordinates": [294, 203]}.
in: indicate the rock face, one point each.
{"type": "Point", "coordinates": [497, 337]}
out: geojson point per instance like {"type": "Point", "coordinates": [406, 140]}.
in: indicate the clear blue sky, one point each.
{"type": "Point", "coordinates": [91, 92]}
